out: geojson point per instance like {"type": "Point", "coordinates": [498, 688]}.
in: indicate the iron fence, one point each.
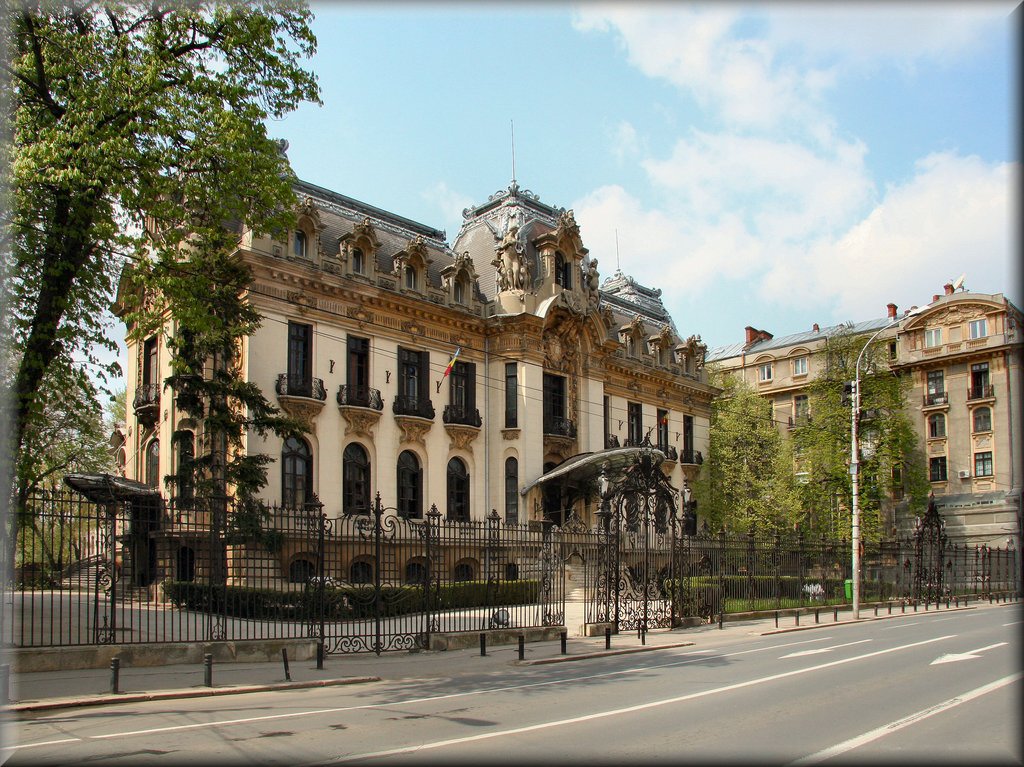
{"type": "Point", "coordinates": [143, 570]}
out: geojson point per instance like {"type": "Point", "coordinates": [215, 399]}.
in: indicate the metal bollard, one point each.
{"type": "Point", "coordinates": [876, 609]}
{"type": "Point", "coordinates": [903, 606]}
{"type": "Point", "coordinates": [926, 605]}
{"type": "Point", "coordinates": [721, 619]}
{"type": "Point", "coordinates": [483, 644]}
{"type": "Point", "coordinates": [776, 619]}
{"type": "Point", "coordinates": [522, 646]}
{"type": "Point", "coordinates": [947, 603]}
{"type": "Point", "coordinates": [563, 636]}
{"type": "Point", "coordinates": [890, 608]}
{"type": "Point", "coordinates": [319, 655]}
{"type": "Point", "coordinates": [5, 683]}
{"type": "Point", "coordinates": [816, 620]}
{"type": "Point", "coordinates": [607, 637]}
{"type": "Point", "coordinates": [797, 616]}
{"type": "Point", "coordinates": [115, 674]}
{"type": "Point", "coordinates": [915, 605]}
{"type": "Point", "coordinates": [284, 658]}
{"type": "Point", "coordinates": [835, 614]}
{"type": "Point", "coordinates": [208, 670]}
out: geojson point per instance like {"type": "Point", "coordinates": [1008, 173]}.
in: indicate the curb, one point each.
{"type": "Point", "coordinates": [599, 654]}
{"type": "Point", "coordinates": [852, 622]}
{"type": "Point", "coordinates": [109, 698]}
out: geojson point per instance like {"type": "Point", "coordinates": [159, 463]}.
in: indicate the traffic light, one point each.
{"type": "Point", "coordinates": [847, 393]}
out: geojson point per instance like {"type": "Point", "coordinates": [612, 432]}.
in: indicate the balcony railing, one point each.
{"type": "Point", "coordinates": [935, 398]}
{"type": "Point", "coordinates": [360, 396]}
{"type": "Point", "coordinates": [417, 406]}
{"type": "Point", "coordinates": [556, 426]}
{"type": "Point", "coordinates": [670, 452]}
{"type": "Point", "coordinates": [981, 392]}
{"type": "Point", "coordinates": [691, 456]}
{"type": "Point", "coordinates": [147, 403]}
{"type": "Point", "coordinates": [800, 419]}
{"type": "Point", "coordinates": [300, 386]}
{"type": "Point", "coordinates": [456, 414]}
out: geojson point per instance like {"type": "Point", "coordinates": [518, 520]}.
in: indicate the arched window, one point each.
{"type": "Point", "coordinates": [361, 571]}
{"type": "Point", "coordinates": [355, 480]}
{"type": "Point", "coordinates": [459, 291]}
{"type": "Point", "coordinates": [153, 463]}
{"type": "Point", "coordinates": [300, 571]}
{"type": "Point", "coordinates": [358, 261]}
{"type": "Point", "coordinates": [410, 486]}
{"type": "Point", "coordinates": [936, 426]}
{"type": "Point", "coordinates": [511, 491]}
{"type": "Point", "coordinates": [458, 491]}
{"type": "Point", "coordinates": [464, 571]}
{"type": "Point", "coordinates": [300, 244]}
{"type": "Point", "coordinates": [511, 571]}
{"type": "Point", "coordinates": [563, 271]}
{"type": "Point", "coordinates": [982, 419]}
{"type": "Point", "coordinates": [410, 277]}
{"type": "Point", "coordinates": [296, 473]}
{"type": "Point", "coordinates": [415, 571]}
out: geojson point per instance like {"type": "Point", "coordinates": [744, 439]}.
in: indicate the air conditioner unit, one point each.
{"type": "Point", "coordinates": [964, 474]}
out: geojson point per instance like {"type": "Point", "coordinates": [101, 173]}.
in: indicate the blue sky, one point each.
{"type": "Point", "coordinates": [770, 165]}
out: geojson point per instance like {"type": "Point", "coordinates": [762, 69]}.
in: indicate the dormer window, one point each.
{"type": "Point", "coordinates": [300, 245]}
{"type": "Point", "coordinates": [563, 271]}
{"type": "Point", "coordinates": [410, 278]}
{"type": "Point", "coordinates": [459, 292]}
{"type": "Point", "coordinates": [358, 261]}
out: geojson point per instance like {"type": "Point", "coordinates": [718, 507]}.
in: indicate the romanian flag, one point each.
{"type": "Point", "coordinates": [664, 419]}
{"type": "Point", "coordinates": [451, 362]}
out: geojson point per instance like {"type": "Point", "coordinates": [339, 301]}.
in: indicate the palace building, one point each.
{"type": "Point", "coordinates": [455, 375]}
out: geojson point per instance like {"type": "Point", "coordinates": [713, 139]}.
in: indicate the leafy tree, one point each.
{"type": "Point", "coordinates": [139, 135]}
{"type": "Point", "coordinates": [891, 464]}
{"type": "Point", "coordinates": [747, 480]}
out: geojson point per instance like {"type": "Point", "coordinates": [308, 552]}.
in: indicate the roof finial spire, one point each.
{"type": "Point", "coordinates": [512, 125]}
{"type": "Point", "coordinates": [617, 251]}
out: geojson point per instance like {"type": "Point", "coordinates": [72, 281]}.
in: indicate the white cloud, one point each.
{"type": "Point", "coordinates": [625, 142]}
{"type": "Point", "coordinates": [449, 202]}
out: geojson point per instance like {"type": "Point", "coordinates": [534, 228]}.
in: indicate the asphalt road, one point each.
{"type": "Point", "coordinates": [941, 687]}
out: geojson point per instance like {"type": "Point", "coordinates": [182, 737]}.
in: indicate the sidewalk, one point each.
{"type": "Point", "coordinates": [49, 690]}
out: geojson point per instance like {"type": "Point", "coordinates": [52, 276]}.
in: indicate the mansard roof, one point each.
{"type": "Point", "coordinates": [628, 298]}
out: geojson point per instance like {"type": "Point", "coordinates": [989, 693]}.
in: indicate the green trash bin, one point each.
{"type": "Point", "coordinates": [849, 588]}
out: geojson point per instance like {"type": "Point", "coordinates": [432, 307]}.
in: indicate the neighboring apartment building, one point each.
{"type": "Point", "coordinates": [364, 311]}
{"type": "Point", "coordinates": [964, 353]}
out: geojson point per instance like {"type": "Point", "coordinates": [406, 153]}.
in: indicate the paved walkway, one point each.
{"type": "Point", "coordinates": [61, 689]}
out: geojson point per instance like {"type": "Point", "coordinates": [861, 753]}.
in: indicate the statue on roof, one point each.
{"type": "Point", "coordinates": [592, 282]}
{"type": "Point", "coordinates": [513, 271]}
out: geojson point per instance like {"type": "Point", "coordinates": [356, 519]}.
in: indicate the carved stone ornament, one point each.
{"type": "Point", "coordinates": [302, 409]}
{"type": "Point", "coordinates": [302, 300]}
{"type": "Point", "coordinates": [510, 434]}
{"type": "Point", "coordinates": [359, 421]}
{"type": "Point", "coordinates": [461, 436]}
{"type": "Point", "coordinates": [413, 428]}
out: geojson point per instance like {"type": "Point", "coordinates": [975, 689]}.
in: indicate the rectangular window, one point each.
{"type": "Point", "coordinates": [635, 423]}
{"type": "Point", "coordinates": [937, 469]}
{"type": "Point", "coordinates": [801, 408]}
{"type": "Point", "coordinates": [413, 375]}
{"type": "Point", "coordinates": [800, 366]}
{"type": "Point", "coordinates": [983, 464]}
{"type": "Point", "coordinates": [150, 368]}
{"type": "Point", "coordinates": [978, 328]}
{"type": "Point", "coordinates": [357, 374]}
{"type": "Point", "coordinates": [462, 388]}
{"type": "Point", "coordinates": [892, 350]}
{"type": "Point", "coordinates": [932, 337]}
{"type": "Point", "coordinates": [936, 382]}
{"type": "Point", "coordinates": [554, 404]}
{"type": "Point", "coordinates": [764, 372]}
{"type": "Point", "coordinates": [688, 456]}
{"type": "Point", "coordinates": [511, 396]}
{"type": "Point", "coordinates": [663, 430]}
{"type": "Point", "coordinates": [300, 359]}
{"type": "Point", "coordinates": [979, 381]}
{"type": "Point", "coordinates": [607, 418]}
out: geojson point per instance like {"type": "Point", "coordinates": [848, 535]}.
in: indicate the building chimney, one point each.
{"type": "Point", "coordinates": [948, 287]}
{"type": "Point", "coordinates": [892, 311]}
{"type": "Point", "coordinates": [751, 335]}
{"type": "Point", "coordinates": [935, 298]}
{"type": "Point", "coordinates": [816, 329]}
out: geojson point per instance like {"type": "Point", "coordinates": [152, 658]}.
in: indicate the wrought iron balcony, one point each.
{"type": "Point", "coordinates": [360, 396]}
{"type": "Point", "coordinates": [691, 456]}
{"type": "Point", "coordinates": [417, 406]}
{"type": "Point", "coordinates": [670, 452]}
{"type": "Point", "coordinates": [935, 398]}
{"type": "Point", "coordinates": [457, 414]}
{"type": "Point", "coordinates": [300, 386]}
{"type": "Point", "coordinates": [800, 419]}
{"type": "Point", "coordinates": [557, 426]}
{"type": "Point", "coordinates": [147, 403]}
{"type": "Point", "coordinates": [981, 392]}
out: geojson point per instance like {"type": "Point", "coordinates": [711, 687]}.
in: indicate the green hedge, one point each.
{"type": "Point", "coordinates": [345, 602]}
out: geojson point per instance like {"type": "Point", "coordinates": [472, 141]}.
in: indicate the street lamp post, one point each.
{"type": "Point", "coordinates": [855, 462]}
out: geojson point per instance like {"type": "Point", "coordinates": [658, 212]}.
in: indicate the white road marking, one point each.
{"type": "Point", "coordinates": [900, 626]}
{"type": "Point", "coordinates": [44, 743]}
{"type": "Point", "coordinates": [819, 650]}
{"type": "Point", "coordinates": [1013, 623]}
{"type": "Point", "coordinates": [619, 711]}
{"type": "Point", "coordinates": [881, 732]}
{"type": "Point", "coordinates": [509, 688]}
{"type": "Point", "coordinates": [953, 657]}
